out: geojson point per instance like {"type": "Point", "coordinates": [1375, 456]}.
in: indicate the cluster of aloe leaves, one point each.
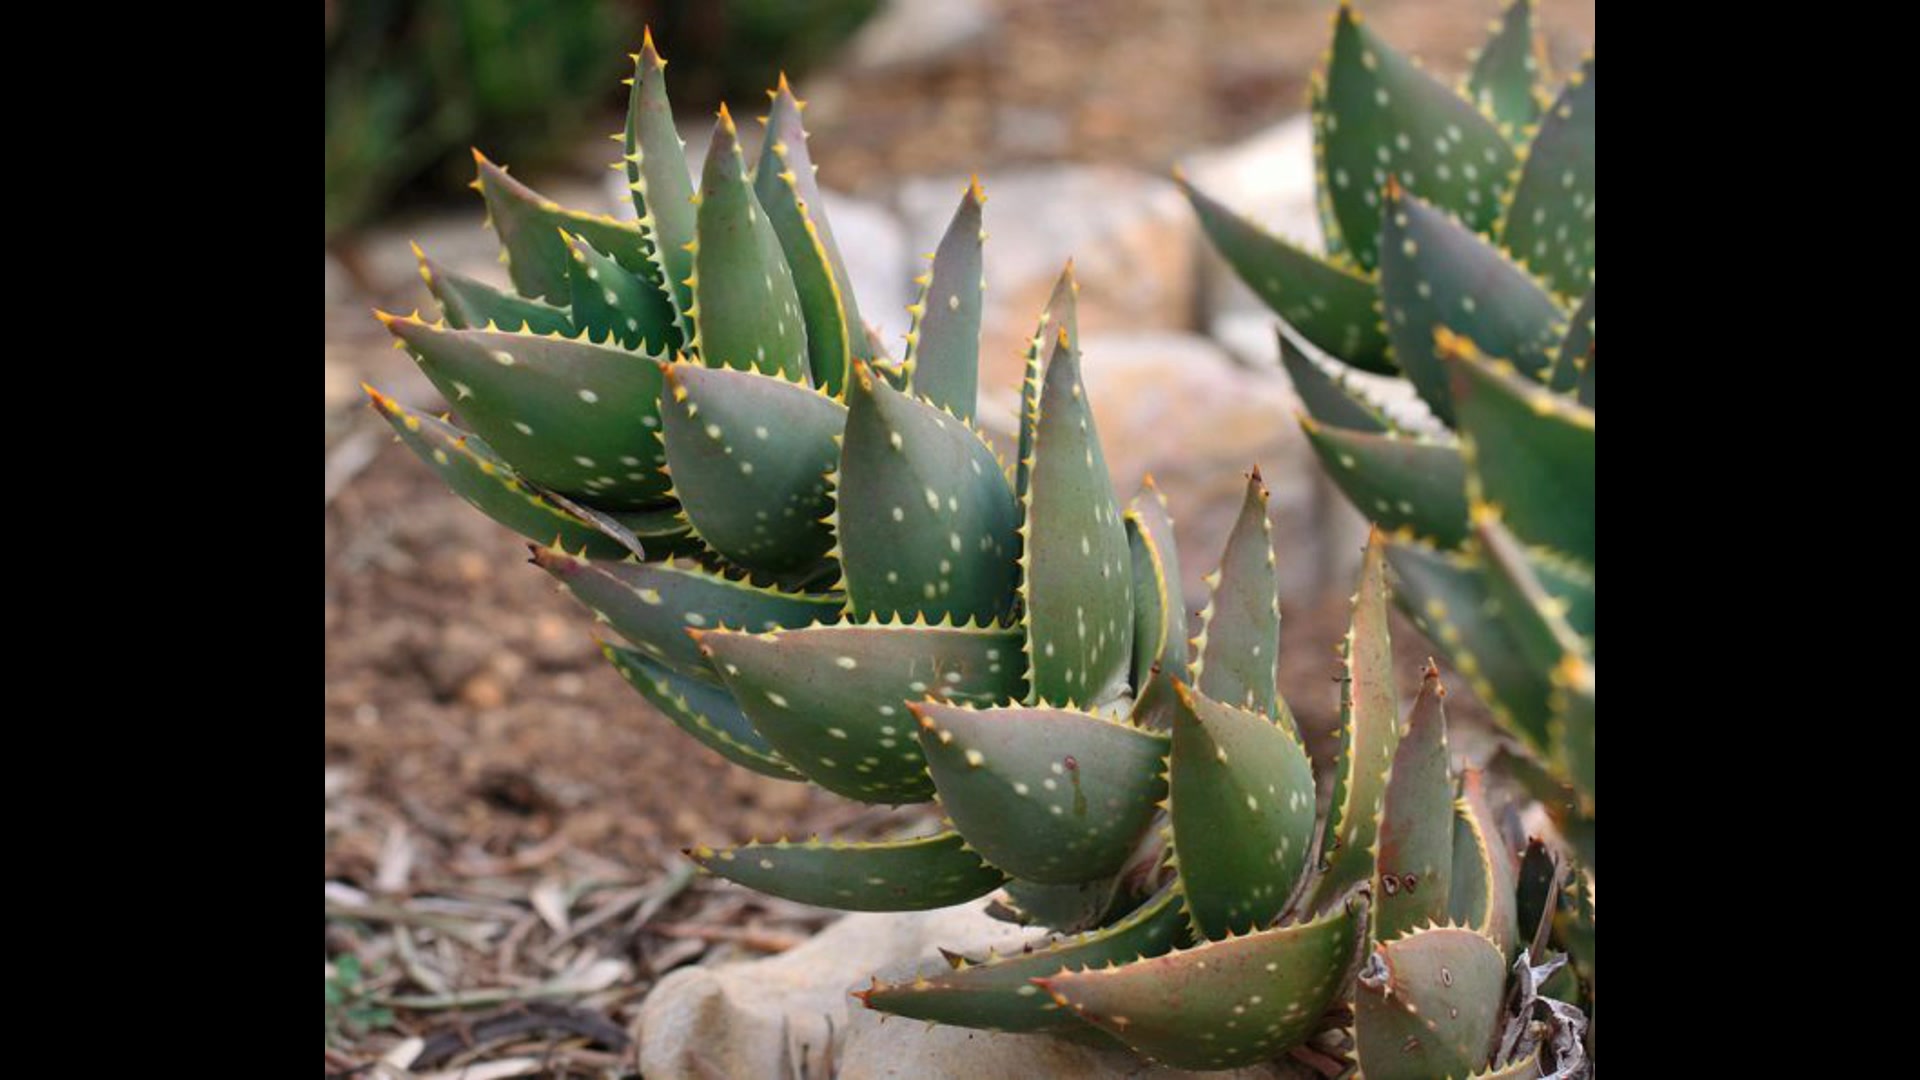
{"type": "Point", "coordinates": [1460, 254]}
{"type": "Point", "coordinates": [825, 574]}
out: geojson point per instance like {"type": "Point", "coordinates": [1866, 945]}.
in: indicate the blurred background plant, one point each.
{"type": "Point", "coordinates": [411, 84]}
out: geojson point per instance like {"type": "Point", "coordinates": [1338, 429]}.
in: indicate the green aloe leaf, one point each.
{"type": "Point", "coordinates": [1369, 736]}
{"type": "Point", "coordinates": [1398, 481]}
{"type": "Point", "coordinates": [1485, 872]}
{"type": "Point", "coordinates": [1413, 871]}
{"type": "Point", "coordinates": [1242, 806]}
{"type": "Point", "coordinates": [475, 473]}
{"type": "Point", "coordinates": [750, 456]}
{"type": "Point", "coordinates": [746, 311]}
{"type": "Point", "coordinates": [1387, 119]}
{"type": "Point", "coordinates": [1159, 608]}
{"type": "Point", "coordinates": [1434, 275]}
{"type": "Point", "coordinates": [663, 197]}
{"type": "Point", "coordinates": [702, 710]}
{"type": "Point", "coordinates": [1572, 364]}
{"type": "Point", "coordinates": [1000, 993]}
{"type": "Point", "coordinates": [1450, 599]}
{"type": "Point", "coordinates": [925, 519]}
{"type": "Point", "coordinates": [609, 302]}
{"type": "Point", "coordinates": [1325, 394]}
{"type": "Point", "coordinates": [1334, 306]}
{"type": "Point", "coordinates": [469, 304]}
{"type": "Point", "coordinates": [1223, 1003]}
{"type": "Point", "coordinates": [943, 348]}
{"type": "Point", "coordinates": [1429, 1004]}
{"type": "Point", "coordinates": [785, 184]}
{"type": "Point", "coordinates": [833, 699]}
{"type": "Point", "coordinates": [653, 605]}
{"type": "Point", "coordinates": [1061, 316]}
{"type": "Point", "coordinates": [1528, 451]}
{"type": "Point", "coordinates": [901, 875]}
{"type": "Point", "coordinates": [1505, 81]}
{"type": "Point", "coordinates": [1048, 795]}
{"type": "Point", "coordinates": [1549, 226]}
{"type": "Point", "coordinates": [1240, 626]}
{"type": "Point", "coordinates": [1077, 586]}
{"type": "Point", "coordinates": [566, 413]}
{"type": "Point", "coordinates": [529, 225]}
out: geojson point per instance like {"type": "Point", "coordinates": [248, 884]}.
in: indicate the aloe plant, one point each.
{"type": "Point", "coordinates": [823, 572]}
{"type": "Point", "coordinates": [1460, 255]}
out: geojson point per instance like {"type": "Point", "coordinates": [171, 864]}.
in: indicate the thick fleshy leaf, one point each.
{"type": "Point", "coordinates": [1506, 75]}
{"type": "Point", "coordinates": [1571, 364]}
{"type": "Point", "coordinates": [1369, 735]}
{"type": "Point", "coordinates": [1528, 451]}
{"type": "Point", "coordinates": [943, 348]}
{"type": "Point", "coordinates": [1533, 615]}
{"type": "Point", "coordinates": [1429, 1004]}
{"type": "Point", "coordinates": [1048, 795]}
{"type": "Point", "coordinates": [1414, 869]}
{"type": "Point", "coordinates": [1000, 994]}
{"type": "Point", "coordinates": [785, 183]}
{"type": "Point", "coordinates": [1061, 316]}
{"type": "Point", "coordinates": [656, 161]}
{"type": "Point", "coordinates": [1159, 609]}
{"type": "Point", "coordinates": [1450, 600]}
{"type": "Point", "coordinates": [1333, 306]}
{"type": "Point", "coordinates": [1078, 581]}
{"type": "Point", "coordinates": [746, 312]}
{"type": "Point", "coordinates": [1571, 727]}
{"type": "Point", "coordinates": [750, 455]}
{"type": "Point", "coordinates": [529, 224]}
{"type": "Point", "coordinates": [1242, 803]}
{"type": "Point", "coordinates": [1069, 909]}
{"type": "Point", "coordinates": [567, 414]}
{"type": "Point", "coordinates": [663, 531]}
{"type": "Point", "coordinates": [1435, 274]}
{"type": "Point", "coordinates": [1387, 118]}
{"type": "Point", "coordinates": [476, 474]}
{"type": "Point", "coordinates": [1485, 871]}
{"type": "Point", "coordinates": [1325, 394]}
{"type": "Point", "coordinates": [470, 304]}
{"type": "Point", "coordinates": [1397, 481]}
{"type": "Point", "coordinates": [653, 605]}
{"type": "Point", "coordinates": [833, 699]}
{"type": "Point", "coordinates": [1156, 701]}
{"type": "Point", "coordinates": [702, 710]}
{"type": "Point", "coordinates": [1549, 227]}
{"type": "Point", "coordinates": [1322, 195]}
{"type": "Point", "coordinates": [1240, 626]}
{"type": "Point", "coordinates": [1223, 1003]}
{"type": "Point", "coordinates": [608, 301]}
{"type": "Point", "coordinates": [901, 875]}
{"type": "Point", "coordinates": [925, 520]}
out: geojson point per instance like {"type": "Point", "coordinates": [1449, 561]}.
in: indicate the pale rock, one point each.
{"type": "Point", "coordinates": [1131, 236]}
{"type": "Point", "coordinates": [920, 35]}
{"type": "Point", "coordinates": [763, 1017]}
{"type": "Point", "coordinates": [745, 1019]}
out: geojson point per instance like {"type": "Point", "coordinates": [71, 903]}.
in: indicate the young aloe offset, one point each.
{"type": "Point", "coordinates": [1460, 255]}
{"type": "Point", "coordinates": [823, 573]}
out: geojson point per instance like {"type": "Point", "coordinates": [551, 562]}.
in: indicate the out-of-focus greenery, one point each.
{"type": "Point", "coordinates": [411, 84]}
